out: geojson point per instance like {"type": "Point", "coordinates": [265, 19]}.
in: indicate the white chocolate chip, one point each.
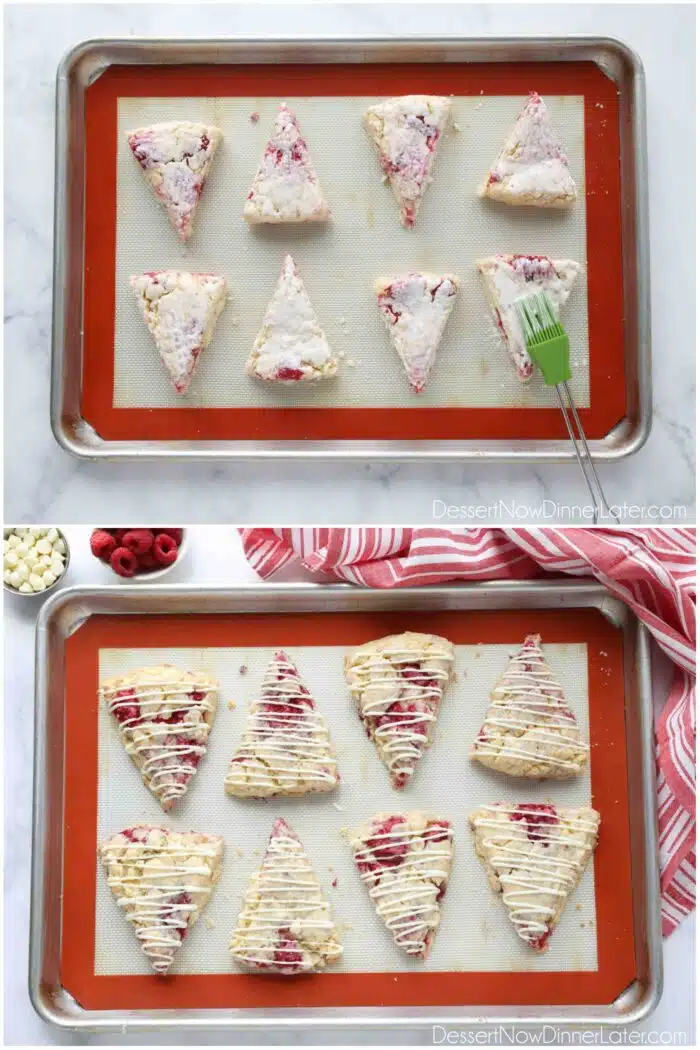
{"type": "Point", "coordinates": [59, 546]}
{"type": "Point", "coordinates": [22, 571]}
{"type": "Point", "coordinates": [52, 535]}
{"type": "Point", "coordinates": [14, 541]}
{"type": "Point", "coordinates": [11, 560]}
{"type": "Point", "coordinates": [39, 569]}
{"type": "Point", "coordinates": [31, 559]}
{"type": "Point", "coordinates": [22, 551]}
{"type": "Point", "coordinates": [43, 546]}
{"type": "Point", "coordinates": [36, 583]}
{"type": "Point", "coordinates": [49, 578]}
{"type": "Point", "coordinates": [15, 579]}
{"type": "Point", "coordinates": [26, 588]}
{"type": "Point", "coordinates": [7, 577]}
{"type": "Point", "coordinates": [46, 560]}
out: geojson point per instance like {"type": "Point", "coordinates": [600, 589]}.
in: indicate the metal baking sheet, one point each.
{"type": "Point", "coordinates": [87, 61]}
{"type": "Point", "coordinates": [61, 617]}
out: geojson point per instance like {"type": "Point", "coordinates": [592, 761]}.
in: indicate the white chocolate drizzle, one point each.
{"type": "Point", "coordinates": [285, 747]}
{"type": "Point", "coordinates": [405, 894]}
{"type": "Point", "coordinates": [284, 901]}
{"type": "Point", "coordinates": [401, 740]}
{"type": "Point", "coordinates": [160, 920]}
{"type": "Point", "coordinates": [532, 702]}
{"type": "Point", "coordinates": [163, 750]}
{"type": "Point", "coordinates": [524, 867]}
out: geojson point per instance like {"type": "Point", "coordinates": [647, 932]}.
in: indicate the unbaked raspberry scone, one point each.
{"type": "Point", "coordinates": [164, 717]}
{"type": "Point", "coordinates": [530, 730]}
{"type": "Point", "coordinates": [176, 157]}
{"type": "Point", "coordinates": [398, 683]}
{"type": "Point", "coordinates": [532, 168]}
{"type": "Point", "coordinates": [534, 854]}
{"type": "Point", "coordinates": [285, 748]}
{"type": "Point", "coordinates": [291, 346]}
{"type": "Point", "coordinates": [286, 926]}
{"type": "Point", "coordinates": [180, 310]}
{"type": "Point", "coordinates": [416, 308]}
{"type": "Point", "coordinates": [163, 880]}
{"type": "Point", "coordinates": [509, 277]}
{"type": "Point", "coordinates": [406, 132]}
{"type": "Point", "coordinates": [285, 187]}
{"type": "Point", "coordinates": [405, 862]}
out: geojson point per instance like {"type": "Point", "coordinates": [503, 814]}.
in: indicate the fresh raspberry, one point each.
{"type": "Point", "coordinates": [123, 562]}
{"type": "Point", "coordinates": [176, 918]}
{"type": "Point", "coordinates": [287, 953]}
{"type": "Point", "coordinates": [138, 541]}
{"type": "Point", "coordinates": [125, 711]}
{"type": "Point", "coordinates": [438, 831]}
{"type": "Point", "coordinates": [534, 815]}
{"type": "Point", "coordinates": [171, 719]}
{"type": "Point", "coordinates": [164, 549]}
{"type": "Point", "coordinates": [388, 849]}
{"type": "Point", "coordinates": [147, 562]}
{"type": "Point", "coordinates": [119, 535]}
{"type": "Point", "coordinates": [175, 533]}
{"type": "Point", "coordinates": [137, 834]}
{"type": "Point", "coordinates": [289, 375]}
{"type": "Point", "coordinates": [539, 941]}
{"type": "Point", "coordinates": [102, 544]}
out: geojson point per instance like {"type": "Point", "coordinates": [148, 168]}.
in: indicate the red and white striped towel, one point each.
{"type": "Point", "coordinates": [652, 570]}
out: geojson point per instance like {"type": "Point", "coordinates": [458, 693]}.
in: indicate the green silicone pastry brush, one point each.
{"type": "Point", "coordinates": [548, 346]}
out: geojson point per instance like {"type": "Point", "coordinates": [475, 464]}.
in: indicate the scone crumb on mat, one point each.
{"type": "Point", "coordinates": [209, 923]}
{"type": "Point", "coordinates": [243, 669]}
{"type": "Point", "coordinates": [336, 805]}
{"type": "Point", "coordinates": [231, 705]}
{"type": "Point", "coordinates": [456, 127]}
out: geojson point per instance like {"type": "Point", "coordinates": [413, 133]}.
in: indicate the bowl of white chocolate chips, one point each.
{"type": "Point", "coordinates": [35, 558]}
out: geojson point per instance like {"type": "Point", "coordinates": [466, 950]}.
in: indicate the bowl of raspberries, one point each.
{"type": "Point", "coordinates": [139, 553]}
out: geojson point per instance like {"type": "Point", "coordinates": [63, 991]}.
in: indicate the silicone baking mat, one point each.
{"type": "Point", "coordinates": [473, 379]}
{"type": "Point", "coordinates": [101, 963]}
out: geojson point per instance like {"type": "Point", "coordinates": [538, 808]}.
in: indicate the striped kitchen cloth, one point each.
{"type": "Point", "coordinates": [652, 570]}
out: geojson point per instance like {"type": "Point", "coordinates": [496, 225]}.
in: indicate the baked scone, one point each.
{"type": "Point", "coordinates": [285, 748]}
{"type": "Point", "coordinates": [532, 168]}
{"type": "Point", "coordinates": [163, 879]}
{"type": "Point", "coordinates": [534, 855]}
{"type": "Point", "coordinates": [291, 346]}
{"type": "Point", "coordinates": [176, 157]}
{"type": "Point", "coordinates": [530, 730]}
{"type": "Point", "coordinates": [398, 683]}
{"type": "Point", "coordinates": [180, 310]}
{"type": "Point", "coordinates": [286, 926]}
{"type": "Point", "coordinates": [405, 862]}
{"type": "Point", "coordinates": [285, 187]}
{"type": "Point", "coordinates": [416, 308]}
{"type": "Point", "coordinates": [164, 716]}
{"type": "Point", "coordinates": [507, 278]}
{"type": "Point", "coordinates": [406, 132]}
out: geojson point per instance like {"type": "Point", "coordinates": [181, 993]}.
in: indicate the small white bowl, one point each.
{"type": "Point", "coordinates": [155, 574]}
{"type": "Point", "coordinates": [59, 579]}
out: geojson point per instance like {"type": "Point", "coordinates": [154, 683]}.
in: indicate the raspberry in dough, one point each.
{"type": "Point", "coordinates": [285, 748]}
{"type": "Point", "coordinates": [406, 132]}
{"type": "Point", "coordinates": [508, 277]}
{"type": "Point", "coordinates": [285, 187]}
{"type": "Point", "coordinates": [398, 684]}
{"type": "Point", "coordinates": [416, 308]}
{"type": "Point", "coordinates": [164, 717]}
{"type": "Point", "coordinates": [532, 168]}
{"type": "Point", "coordinates": [291, 346]}
{"type": "Point", "coordinates": [534, 855]}
{"type": "Point", "coordinates": [530, 730]}
{"type": "Point", "coordinates": [180, 310]}
{"type": "Point", "coordinates": [163, 879]}
{"type": "Point", "coordinates": [176, 157]}
{"type": "Point", "coordinates": [286, 926]}
{"type": "Point", "coordinates": [405, 863]}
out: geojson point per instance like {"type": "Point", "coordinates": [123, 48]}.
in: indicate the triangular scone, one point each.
{"type": "Point", "coordinates": [532, 167]}
{"type": "Point", "coordinates": [176, 158]}
{"type": "Point", "coordinates": [291, 346]}
{"type": "Point", "coordinates": [507, 278]}
{"type": "Point", "coordinates": [398, 684]}
{"type": "Point", "coordinates": [286, 925]}
{"type": "Point", "coordinates": [163, 879]}
{"type": "Point", "coordinates": [285, 187]}
{"type": "Point", "coordinates": [530, 730]}
{"type": "Point", "coordinates": [416, 308]}
{"type": "Point", "coordinates": [406, 131]}
{"type": "Point", "coordinates": [534, 855]}
{"type": "Point", "coordinates": [181, 310]}
{"type": "Point", "coordinates": [164, 717]}
{"type": "Point", "coordinates": [405, 862]}
{"type": "Point", "coordinates": [285, 748]}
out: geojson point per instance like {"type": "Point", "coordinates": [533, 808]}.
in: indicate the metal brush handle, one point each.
{"type": "Point", "coordinates": [584, 458]}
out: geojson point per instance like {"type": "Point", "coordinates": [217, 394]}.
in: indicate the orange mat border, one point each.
{"type": "Point", "coordinates": [613, 879]}
{"type": "Point", "coordinates": [604, 252]}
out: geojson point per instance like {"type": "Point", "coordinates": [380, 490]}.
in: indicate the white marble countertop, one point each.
{"type": "Point", "coordinates": [215, 556]}
{"type": "Point", "coordinates": [44, 482]}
